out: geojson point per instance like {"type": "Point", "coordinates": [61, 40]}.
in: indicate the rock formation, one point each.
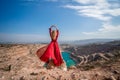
{"type": "Point", "coordinates": [19, 62]}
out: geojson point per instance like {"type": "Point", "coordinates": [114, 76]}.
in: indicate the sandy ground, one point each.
{"type": "Point", "coordinates": [21, 63]}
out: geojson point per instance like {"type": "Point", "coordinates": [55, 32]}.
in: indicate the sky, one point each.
{"type": "Point", "coordinates": [29, 20]}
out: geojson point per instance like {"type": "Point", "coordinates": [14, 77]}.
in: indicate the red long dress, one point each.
{"type": "Point", "coordinates": [52, 51]}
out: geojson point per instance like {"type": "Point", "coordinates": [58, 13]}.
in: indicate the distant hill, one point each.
{"type": "Point", "coordinates": [90, 41]}
{"type": "Point", "coordinates": [74, 42]}
{"type": "Point", "coordinates": [108, 52]}
{"type": "Point", "coordinates": [94, 48]}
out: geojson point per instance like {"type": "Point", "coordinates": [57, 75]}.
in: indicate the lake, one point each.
{"type": "Point", "coordinates": [69, 61]}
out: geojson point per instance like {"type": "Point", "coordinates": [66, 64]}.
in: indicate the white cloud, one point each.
{"type": "Point", "coordinates": [87, 1]}
{"type": "Point", "coordinates": [95, 14]}
{"type": "Point", "coordinates": [99, 9]}
{"type": "Point", "coordinates": [107, 31]}
{"type": "Point", "coordinates": [100, 3]}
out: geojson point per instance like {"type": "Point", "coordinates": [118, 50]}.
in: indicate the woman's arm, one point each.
{"type": "Point", "coordinates": [57, 33]}
{"type": "Point", "coordinates": [50, 32]}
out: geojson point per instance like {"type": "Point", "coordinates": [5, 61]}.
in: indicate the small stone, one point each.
{"type": "Point", "coordinates": [18, 58]}
{"type": "Point", "coordinates": [42, 72]}
{"type": "Point", "coordinates": [22, 78]}
{"type": "Point", "coordinates": [107, 78]}
{"type": "Point", "coordinates": [113, 78]}
{"type": "Point", "coordinates": [3, 77]}
{"type": "Point", "coordinates": [96, 75]}
{"type": "Point", "coordinates": [12, 78]}
{"type": "Point", "coordinates": [72, 67]}
{"type": "Point", "coordinates": [33, 73]}
{"type": "Point", "coordinates": [64, 69]}
{"type": "Point", "coordinates": [118, 78]}
{"type": "Point", "coordinates": [7, 68]}
{"type": "Point", "coordinates": [45, 78]}
{"type": "Point", "coordinates": [60, 77]}
{"type": "Point", "coordinates": [116, 72]}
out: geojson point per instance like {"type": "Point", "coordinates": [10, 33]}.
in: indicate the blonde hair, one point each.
{"type": "Point", "coordinates": [53, 34]}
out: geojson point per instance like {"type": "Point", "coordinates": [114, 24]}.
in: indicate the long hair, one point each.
{"type": "Point", "coordinates": [54, 34]}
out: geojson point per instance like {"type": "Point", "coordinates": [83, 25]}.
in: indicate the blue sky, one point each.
{"type": "Point", "coordinates": [29, 20]}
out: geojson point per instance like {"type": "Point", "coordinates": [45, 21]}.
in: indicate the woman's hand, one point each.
{"type": "Point", "coordinates": [53, 26]}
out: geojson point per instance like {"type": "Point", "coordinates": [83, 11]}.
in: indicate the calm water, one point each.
{"type": "Point", "coordinates": [69, 61]}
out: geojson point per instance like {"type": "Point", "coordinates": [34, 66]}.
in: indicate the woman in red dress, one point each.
{"type": "Point", "coordinates": [52, 51]}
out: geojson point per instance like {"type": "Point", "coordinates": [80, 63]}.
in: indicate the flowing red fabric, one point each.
{"type": "Point", "coordinates": [52, 51]}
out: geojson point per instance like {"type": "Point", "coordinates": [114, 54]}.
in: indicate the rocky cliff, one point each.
{"type": "Point", "coordinates": [19, 62]}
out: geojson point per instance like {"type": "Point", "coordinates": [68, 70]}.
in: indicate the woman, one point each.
{"type": "Point", "coordinates": [52, 52]}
